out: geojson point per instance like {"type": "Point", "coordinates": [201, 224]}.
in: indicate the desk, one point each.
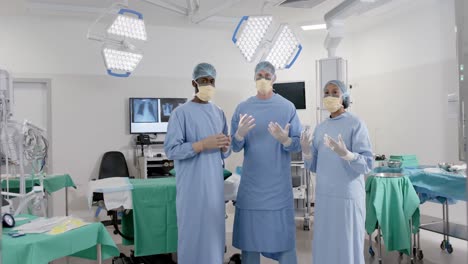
{"type": "Point", "coordinates": [87, 242]}
{"type": "Point", "coordinates": [51, 184]}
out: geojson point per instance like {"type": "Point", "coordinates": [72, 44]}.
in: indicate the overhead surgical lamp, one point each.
{"type": "Point", "coordinates": [128, 26]}
{"type": "Point", "coordinates": [120, 62]}
{"type": "Point", "coordinates": [120, 56]}
{"type": "Point", "coordinates": [285, 50]}
{"type": "Point", "coordinates": [250, 36]}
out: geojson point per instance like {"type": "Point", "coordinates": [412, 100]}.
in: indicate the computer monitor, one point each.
{"type": "Point", "coordinates": [293, 91]}
{"type": "Point", "coordinates": [151, 115]}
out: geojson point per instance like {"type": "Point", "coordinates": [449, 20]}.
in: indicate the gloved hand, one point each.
{"type": "Point", "coordinates": [280, 134]}
{"type": "Point", "coordinates": [339, 147]}
{"type": "Point", "coordinates": [212, 142]}
{"type": "Point", "coordinates": [306, 142]}
{"type": "Point", "coordinates": [246, 123]}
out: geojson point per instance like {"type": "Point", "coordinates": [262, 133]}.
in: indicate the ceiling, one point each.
{"type": "Point", "coordinates": [154, 15]}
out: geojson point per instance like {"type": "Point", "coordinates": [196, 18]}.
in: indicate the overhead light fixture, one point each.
{"type": "Point", "coordinates": [128, 26]}
{"type": "Point", "coordinates": [314, 27]}
{"type": "Point", "coordinates": [120, 62]}
{"type": "Point", "coordinates": [250, 37]}
{"type": "Point", "coordinates": [251, 30]}
{"type": "Point", "coordinates": [121, 57]}
{"type": "Point", "coordinates": [285, 50]}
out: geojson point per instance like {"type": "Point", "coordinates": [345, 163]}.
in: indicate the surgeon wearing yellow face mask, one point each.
{"type": "Point", "coordinates": [335, 100]}
{"type": "Point", "coordinates": [267, 128]}
{"type": "Point", "coordinates": [197, 140]}
{"type": "Point", "coordinates": [340, 153]}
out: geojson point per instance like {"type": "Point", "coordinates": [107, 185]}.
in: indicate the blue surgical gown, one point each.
{"type": "Point", "coordinates": [199, 182]}
{"type": "Point", "coordinates": [264, 220]}
{"type": "Point", "coordinates": [339, 218]}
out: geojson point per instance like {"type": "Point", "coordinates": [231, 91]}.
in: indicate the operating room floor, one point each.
{"type": "Point", "coordinates": [429, 241]}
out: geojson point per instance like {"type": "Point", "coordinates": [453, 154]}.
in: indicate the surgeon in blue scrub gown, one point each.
{"type": "Point", "coordinates": [340, 153]}
{"type": "Point", "coordinates": [268, 129]}
{"type": "Point", "coordinates": [197, 140]}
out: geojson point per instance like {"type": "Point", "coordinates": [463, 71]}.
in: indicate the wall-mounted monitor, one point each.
{"type": "Point", "coordinates": [293, 91]}
{"type": "Point", "coordinates": [151, 115]}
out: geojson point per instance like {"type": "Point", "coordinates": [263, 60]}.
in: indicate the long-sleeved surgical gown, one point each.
{"type": "Point", "coordinates": [264, 220]}
{"type": "Point", "coordinates": [199, 182]}
{"type": "Point", "coordinates": [339, 219]}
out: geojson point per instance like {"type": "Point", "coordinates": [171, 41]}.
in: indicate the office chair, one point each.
{"type": "Point", "coordinates": [113, 164]}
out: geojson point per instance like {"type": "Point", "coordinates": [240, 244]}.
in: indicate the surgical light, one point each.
{"type": "Point", "coordinates": [120, 63]}
{"type": "Point", "coordinates": [128, 26]}
{"type": "Point", "coordinates": [251, 34]}
{"type": "Point", "coordinates": [285, 50]}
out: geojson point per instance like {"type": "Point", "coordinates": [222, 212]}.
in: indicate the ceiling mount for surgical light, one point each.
{"type": "Point", "coordinates": [120, 55]}
{"type": "Point", "coordinates": [335, 20]}
{"type": "Point", "coordinates": [250, 36]}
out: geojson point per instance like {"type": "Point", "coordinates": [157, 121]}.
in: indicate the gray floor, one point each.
{"type": "Point", "coordinates": [430, 244]}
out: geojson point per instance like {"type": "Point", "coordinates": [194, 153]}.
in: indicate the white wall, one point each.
{"type": "Point", "coordinates": [402, 71]}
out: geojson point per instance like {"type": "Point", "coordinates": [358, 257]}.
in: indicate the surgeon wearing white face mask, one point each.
{"type": "Point", "coordinates": [266, 127]}
{"type": "Point", "coordinates": [197, 140]}
{"type": "Point", "coordinates": [340, 154]}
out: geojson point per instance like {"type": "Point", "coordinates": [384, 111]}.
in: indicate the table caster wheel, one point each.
{"type": "Point", "coordinates": [420, 255]}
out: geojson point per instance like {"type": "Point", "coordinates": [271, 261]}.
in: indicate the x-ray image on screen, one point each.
{"type": "Point", "coordinates": [145, 110]}
{"type": "Point", "coordinates": [168, 105]}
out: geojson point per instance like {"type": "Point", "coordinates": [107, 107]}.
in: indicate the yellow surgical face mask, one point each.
{"type": "Point", "coordinates": [206, 92]}
{"type": "Point", "coordinates": [264, 86]}
{"type": "Point", "coordinates": [332, 104]}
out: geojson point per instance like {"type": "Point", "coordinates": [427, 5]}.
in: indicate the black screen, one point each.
{"type": "Point", "coordinates": [293, 91]}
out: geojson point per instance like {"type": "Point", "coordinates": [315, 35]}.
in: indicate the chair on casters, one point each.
{"type": "Point", "coordinates": [113, 164]}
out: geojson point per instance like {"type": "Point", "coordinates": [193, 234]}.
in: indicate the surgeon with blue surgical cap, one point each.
{"type": "Point", "coordinates": [267, 128]}
{"type": "Point", "coordinates": [197, 140]}
{"type": "Point", "coordinates": [340, 153]}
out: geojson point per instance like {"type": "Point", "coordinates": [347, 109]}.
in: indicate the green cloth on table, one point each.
{"type": "Point", "coordinates": [52, 183]}
{"type": "Point", "coordinates": [43, 248]}
{"type": "Point", "coordinates": [55, 183]}
{"type": "Point", "coordinates": [226, 173]}
{"type": "Point", "coordinates": [153, 222]}
{"type": "Point", "coordinates": [391, 203]}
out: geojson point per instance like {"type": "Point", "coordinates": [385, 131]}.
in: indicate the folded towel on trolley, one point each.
{"type": "Point", "coordinates": [117, 192]}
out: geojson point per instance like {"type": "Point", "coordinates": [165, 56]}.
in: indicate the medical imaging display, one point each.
{"type": "Point", "coordinates": [151, 115]}
{"type": "Point", "coordinates": [168, 105]}
{"type": "Point", "coordinates": [145, 110]}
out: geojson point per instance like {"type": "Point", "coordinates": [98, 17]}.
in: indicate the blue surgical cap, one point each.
{"type": "Point", "coordinates": [265, 66]}
{"type": "Point", "coordinates": [204, 70]}
{"type": "Point", "coordinates": [339, 84]}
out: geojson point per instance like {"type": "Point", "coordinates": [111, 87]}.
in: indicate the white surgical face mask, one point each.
{"type": "Point", "coordinates": [332, 104]}
{"type": "Point", "coordinates": [206, 92]}
{"type": "Point", "coordinates": [264, 86]}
